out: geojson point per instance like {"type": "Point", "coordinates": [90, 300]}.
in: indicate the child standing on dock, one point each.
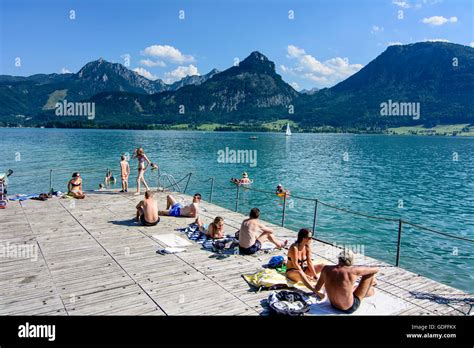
{"type": "Point", "coordinates": [124, 172]}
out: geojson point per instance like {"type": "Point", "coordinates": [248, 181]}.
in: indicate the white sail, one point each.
{"type": "Point", "coordinates": [288, 130]}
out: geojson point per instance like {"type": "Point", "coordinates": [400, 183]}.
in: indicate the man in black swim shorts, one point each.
{"type": "Point", "coordinates": [339, 283]}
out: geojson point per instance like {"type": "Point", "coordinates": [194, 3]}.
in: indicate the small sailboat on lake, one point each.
{"type": "Point", "coordinates": [288, 130]}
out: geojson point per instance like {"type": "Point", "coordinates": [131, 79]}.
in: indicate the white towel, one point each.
{"type": "Point", "coordinates": [170, 250]}
{"type": "Point", "coordinates": [172, 240]}
{"type": "Point", "coordinates": [379, 304]}
{"type": "Point", "coordinates": [267, 246]}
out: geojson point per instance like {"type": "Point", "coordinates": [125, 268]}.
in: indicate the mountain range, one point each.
{"type": "Point", "coordinates": [438, 77]}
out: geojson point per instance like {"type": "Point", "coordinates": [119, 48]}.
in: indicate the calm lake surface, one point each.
{"type": "Point", "coordinates": [424, 180]}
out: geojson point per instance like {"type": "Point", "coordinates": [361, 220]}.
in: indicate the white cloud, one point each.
{"type": "Point", "coordinates": [376, 29]}
{"type": "Point", "coordinates": [180, 72]}
{"type": "Point", "coordinates": [65, 71]}
{"type": "Point", "coordinates": [437, 40]}
{"type": "Point", "coordinates": [402, 4]}
{"type": "Point", "coordinates": [151, 63]}
{"type": "Point", "coordinates": [324, 73]}
{"type": "Point", "coordinates": [295, 52]}
{"type": "Point", "coordinates": [295, 85]}
{"type": "Point", "coordinates": [471, 44]}
{"type": "Point", "coordinates": [145, 73]}
{"type": "Point", "coordinates": [394, 43]}
{"type": "Point", "coordinates": [167, 53]}
{"type": "Point", "coordinates": [415, 4]}
{"type": "Point", "coordinates": [439, 20]}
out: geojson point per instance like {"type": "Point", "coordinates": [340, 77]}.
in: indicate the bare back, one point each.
{"type": "Point", "coordinates": [124, 168]}
{"type": "Point", "coordinates": [250, 230]}
{"type": "Point", "coordinates": [150, 209]}
{"type": "Point", "coordinates": [339, 282]}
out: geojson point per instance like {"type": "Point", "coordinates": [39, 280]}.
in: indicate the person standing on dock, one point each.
{"type": "Point", "coordinates": [139, 154]}
{"type": "Point", "coordinates": [253, 233]}
{"type": "Point", "coordinates": [124, 173]}
{"type": "Point", "coordinates": [339, 282]}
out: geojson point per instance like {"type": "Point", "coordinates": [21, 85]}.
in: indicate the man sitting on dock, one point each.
{"type": "Point", "coordinates": [173, 208]}
{"type": "Point", "coordinates": [339, 282]}
{"type": "Point", "coordinates": [253, 233]}
{"type": "Point", "coordinates": [147, 210]}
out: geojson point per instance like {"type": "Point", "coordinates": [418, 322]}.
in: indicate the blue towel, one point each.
{"type": "Point", "coordinates": [20, 197]}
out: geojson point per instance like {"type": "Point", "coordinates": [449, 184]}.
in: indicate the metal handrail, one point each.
{"type": "Point", "coordinates": [400, 222]}
{"type": "Point", "coordinates": [174, 185]}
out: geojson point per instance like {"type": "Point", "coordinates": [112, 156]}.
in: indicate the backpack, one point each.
{"type": "Point", "coordinates": [276, 262]}
{"type": "Point", "coordinates": [290, 303]}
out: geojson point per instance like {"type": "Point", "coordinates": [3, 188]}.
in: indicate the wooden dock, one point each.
{"type": "Point", "coordinates": [91, 259]}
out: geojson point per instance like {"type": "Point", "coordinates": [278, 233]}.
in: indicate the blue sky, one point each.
{"type": "Point", "coordinates": [323, 43]}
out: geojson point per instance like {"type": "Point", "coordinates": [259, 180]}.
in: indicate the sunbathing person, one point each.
{"type": "Point", "coordinates": [147, 210]}
{"type": "Point", "coordinates": [339, 282]}
{"type": "Point", "coordinates": [300, 264]}
{"type": "Point", "coordinates": [74, 187]}
{"type": "Point", "coordinates": [253, 233]}
{"type": "Point", "coordinates": [214, 230]}
{"type": "Point", "coordinates": [173, 208]}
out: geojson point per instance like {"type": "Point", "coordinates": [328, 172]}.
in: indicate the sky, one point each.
{"type": "Point", "coordinates": [314, 43]}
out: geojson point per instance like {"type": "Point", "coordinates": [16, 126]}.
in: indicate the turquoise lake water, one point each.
{"type": "Point", "coordinates": [425, 180]}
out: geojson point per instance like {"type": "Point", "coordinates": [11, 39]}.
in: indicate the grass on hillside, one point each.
{"type": "Point", "coordinates": [450, 129]}
{"type": "Point", "coordinates": [279, 125]}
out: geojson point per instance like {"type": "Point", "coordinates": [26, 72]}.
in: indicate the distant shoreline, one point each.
{"type": "Point", "coordinates": [451, 130]}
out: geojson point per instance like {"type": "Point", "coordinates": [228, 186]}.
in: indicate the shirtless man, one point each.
{"type": "Point", "coordinates": [253, 233]}
{"type": "Point", "coordinates": [173, 208]}
{"type": "Point", "coordinates": [124, 173]}
{"type": "Point", "coordinates": [147, 210]}
{"type": "Point", "coordinates": [339, 283]}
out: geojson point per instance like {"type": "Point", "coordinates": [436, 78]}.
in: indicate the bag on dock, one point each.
{"type": "Point", "coordinates": [290, 303]}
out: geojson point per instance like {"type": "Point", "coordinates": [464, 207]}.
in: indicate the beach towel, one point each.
{"type": "Point", "coordinates": [379, 304]}
{"type": "Point", "coordinates": [21, 197]}
{"type": "Point", "coordinates": [272, 279]}
{"type": "Point", "coordinates": [226, 243]}
{"type": "Point", "coordinates": [171, 240]}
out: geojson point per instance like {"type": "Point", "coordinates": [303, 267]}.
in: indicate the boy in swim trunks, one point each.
{"type": "Point", "coordinates": [339, 282]}
{"type": "Point", "coordinates": [147, 210]}
{"type": "Point", "coordinates": [124, 173]}
{"type": "Point", "coordinates": [173, 208]}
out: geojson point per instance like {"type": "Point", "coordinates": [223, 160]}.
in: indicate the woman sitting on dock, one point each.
{"type": "Point", "coordinates": [74, 187]}
{"type": "Point", "coordinates": [214, 230]}
{"type": "Point", "coordinates": [300, 264]}
{"type": "Point", "coordinates": [139, 154]}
